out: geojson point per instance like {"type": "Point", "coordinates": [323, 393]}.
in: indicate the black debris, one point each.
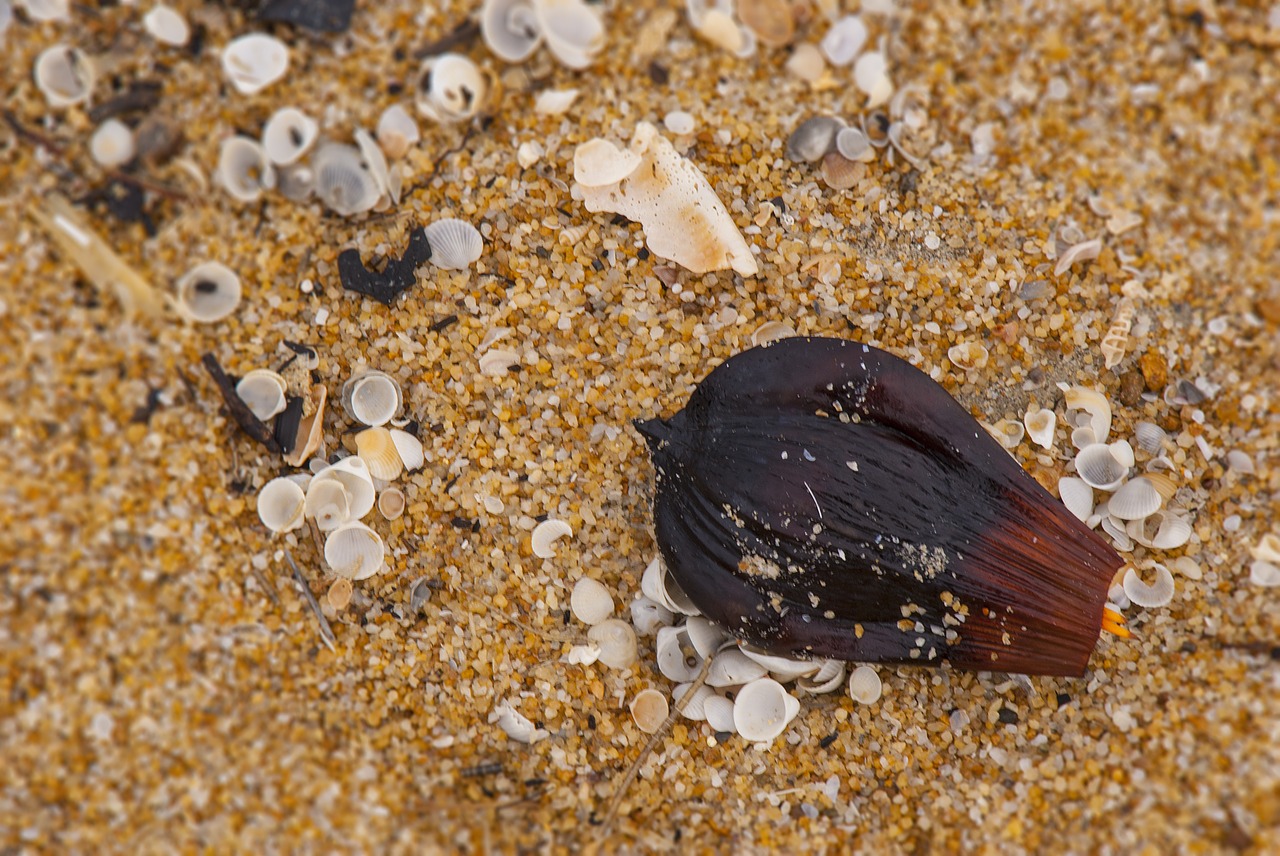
{"type": "Point", "coordinates": [398, 275]}
{"type": "Point", "coordinates": [326, 16]}
{"type": "Point", "coordinates": [1008, 717]}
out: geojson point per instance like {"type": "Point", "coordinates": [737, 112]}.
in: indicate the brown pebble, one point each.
{"type": "Point", "coordinates": [1155, 370]}
{"type": "Point", "coordinates": [1131, 387]}
{"type": "Point", "coordinates": [1269, 308]}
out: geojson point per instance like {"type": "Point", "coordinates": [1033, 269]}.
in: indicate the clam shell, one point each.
{"type": "Point", "coordinates": [732, 667]}
{"type": "Point", "coordinates": [784, 668]}
{"type": "Point", "coordinates": [677, 659]}
{"type": "Point", "coordinates": [243, 169]}
{"type": "Point", "coordinates": [450, 88]}
{"type": "Point", "coordinates": [844, 41]}
{"type": "Point", "coordinates": [1264, 574]}
{"type": "Point", "coordinates": [355, 477]}
{"type": "Point", "coordinates": [840, 173]}
{"type": "Point", "coordinates": [342, 181]}
{"type": "Point", "coordinates": [1077, 496]}
{"type": "Point", "coordinates": [166, 25]}
{"type": "Point", "coordinates": [288, 135]}
{"type": "Point", "coordinates": [376, 448]}
{"type": "Point", "coordinates": [409, 448]}
{"type": "Point", "coordinates": [310, 428]}
{"type": "Point", "coordinates": [828, 678]}
{"type": "Point", "coordinates": [871, 75]}
{"type": "Point", "coordinates": [553, 102]}
{"type": "Point", "coordinates": [396, 131]}
{"type": "Point", "coordinates": [354, 551]}
{"type": "Point", "coordinates": [763, 709]}
{"type": "Point", "coordinates": [1174, 531]}
{"type": "Point", "coordinates": [455, 244]}
{"type": "Point", "coordinates": [647, 616]}
{"type": "Point", "coordinates": [1122, 452]}
{"type": "Point", "coordinates": [1158, 593]}
{"type": "Point", "coordinates": [1097, 465]}
{"type": "Point", "coordinates": [339, 594]}
{"type": "Point", "coordinates": [64, 75]}
{"type": "Point", "coordinates": [254, 61]}
{"type": "Point", "coordinates": [1135, 500]}
{"type": "Point", "coordinates": [649, 709]}
{"type": "Point", "coordinates": [968, 356]}
{"type": "Point", "coordinates": [391, 503]}
{"type": "Point", "coordinates": [510, 29]}
{"type": "Point", "coordinates": [1040, 424]}
{"type": "Point", "coordinates": [590, 602]}
{"type": "Point", "coordinates": [598, 162]}
{"type": "Point", "coordinates": [718, 711]}
{"type": "Point", "coordinates": [1095, 404]}
{"type": "Point", "coordinates": [1115, 527]}
{"type": "Point", "coordinates": [372, 398]}
{"type": "Point", "coordinates": [263, 392]}
{"type": "Point", "coordinates": [1150, 437]}
{"type": "Point", "coordinates": [813, 139]}
{"type": "Point", "coordinates": [208, 292]}
{"type": "Point", "coordinates": [1008, 433]}
{"type": "Point", "coordinates": [864, 685]}
{"type": "Point", "coordinates": [574, 30]}
{"type": "Point", "coordinates": [328, 503]}
{"type": "Point", "coordinates": [280, 505]}
{"type": "Point", "coordinates": [617, 642]}
{"type": "Point", "coordinates": [705, 636]}
{"type": "Point", "coordinates": [852, 144]}
{"type": "Point", "coordinates": [695, 707]}
{"type": "Point", "coordinates": [112, 144]}
{"type": "Point", "coordinates": [544, 536]}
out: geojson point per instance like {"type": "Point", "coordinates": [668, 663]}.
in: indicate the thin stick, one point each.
{"type": "Point", "coordinates": [326, 632]}
{"type": "Point", "coordinates": [267, 587]}
{"type": "Point", "coordinates": [240, 412]}
{"type": "Point", "coordinates": [634, 769]}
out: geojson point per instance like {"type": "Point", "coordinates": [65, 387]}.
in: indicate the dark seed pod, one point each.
{"type": "Point", "coordinates": [819, 497]}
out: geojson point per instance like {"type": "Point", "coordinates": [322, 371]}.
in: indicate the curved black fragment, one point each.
{"type": "Point", "coordinates": [398, 275]}
{"type": "Point", "coordinates": [822, 497]}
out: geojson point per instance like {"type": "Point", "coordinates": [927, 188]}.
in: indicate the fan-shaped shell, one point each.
{"type": "Point", "coordinates": [254, 61]}
{"type": "Point", "coordinates": [648, 616]}
{"type": "Point", "coordinates": [342, 180]}
{"type": "Point", "coordinates": [649, 709]}
{"type": "Point", "coordinates": [545, 535]}
{"type": "Point", "coordinates": [864, 685]}
{"type": "Point", "coordinates": [814, 138]}
{"type": "Point", "coordinates": [763, 710]}
{"type": "Point", "coordinates": [1077, 496]}
{"type": "Point", "coordinates": [731, 668]}
{"type": "Point", "coordinates": [617, 642]}
{"type": "Point", "coordinates": [355, 477]}
{"type": "Point", "coordinates": [694, 707]}
{"type": "Point", "coordinates": [1135, 500]}
{"type": "Point", "coordinates": [372, 398]}
{"type": "Point", "coordinates": [64, 75]}
{"type": "Point", "coordinates": [243, 169]}
{"type": "Point", "coordinates": [328, 503]}
{"type": "Point", "coordinates": [598, 162]}
{"type": "Point", "coordinates": [718, 711]}
{"type": "Point", "coordinates": [844, 40]}
{"type": "Point", "coordinates": [450, 88]}
{"type": "Point", "coordinates": [1122, 452]}
{"type": "Point", "coordinates": [840, 173]}
{"type": "Point", "coordinates": [677, 659]}
{"type": "Point", "coordinates": [391, 503]}
{"type": "Point", "coordinates": [354, 551]}
{"type": "Point", "coordinates": [208, 292]}
{"type": "Point", "coordinates": [455, 244]}
{"type": "Point", "coordinates": [1097, 465]}
{"type": "Point", "coordinates": [263, 391]}
{"type": "Point", "coordinates": [280, 505]}
{"type": "Point", "coordinates": [396, 131]}
{"type": "Point", "coordinates": [112, 144]}
{"type": "Point", "coordinates": [510, 29]}
{"type": "Point", "coordinates": [1040, 424]}
{"type": "Point", "coordinates": [409, 448]}
{"type": "Point", "coordinates": [574, 30]}
{"type": "Point", "coordinates": [590, 601]}
{"type": "Point", "coordinates": [1150, 437]}
{"type": "Point", "coordinates": [288, 135]}
{"type": "Point", "coordinates": [1157, 594]}
{"type": "Point", "coordinates": [376, 448]}
{"type": "Point", "coordinates": [1115, 527]}
{"type": "Point", "coordinates": [166, 25]}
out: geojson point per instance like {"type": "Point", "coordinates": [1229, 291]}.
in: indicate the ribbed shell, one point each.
{"type": "Point", "coordinates": [455, 244]}
{"type": "Point", "coordinates": [342, 181]}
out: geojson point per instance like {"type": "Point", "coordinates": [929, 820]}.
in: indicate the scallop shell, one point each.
{"type": "Point", "coordinates": [243, 168]}
{"type": "Point", "coordinates": [409, 448]}
{"type": "Point", "coordinates": [968, 356]}
{"type": "Point", "coordinates": [590, 601]}
{"type": "Point", "coordinates": [391, 503]}
{"type": "Point", "coordinates": [1077, 496]}
{"type": "Point", "coordinates": [310, 428]}
{"type": "Point", "coordinates": [718, 711]}
{"type": "Point", "coordinates": [263, 391]}
{"type": "Point", "coordinates": [342, 181]}
{"type": "Point", "coordinates": [864, 685]}
{"type": "Point", "coordinates": [763, 709]}
{"type": "Point", "coordinates": [166, 25]}
{"type": "Point", "coordinates": [64, 75]}
{"type": "Point", "coordinates": [705, 637]}
{"type": "Point", "coordinates": [450, 88]}
{"type": "Point", "coordinates": [372, 398]}
{"type": "Point", "coordinates": [853, 145]}
{"type": "Point", "coordinates": [280, 505]}
{"type": "Point", "coordinates": [354, 551]}
{"type": "Point", "coordinates": [1158, 593]}
{"type": "Point", "coordinates": [288, 135]}
{"type": "Point", "coordinates": [732, 667]}
{"type": "Point", "coordinates": [455, 244]}
{"type": "Point", "coordinates": [1008, 433]}
{"type": "Point", "coordinates": [814, 138]}
{"type": "Point", "coordinates": [510, 29]}
{"type": "Point", "coordinates": [1095, 404]}
{"type": "Point", "coordinates": [254, 61]}
{"type": "Point", "coordinates": [676, 657]}
{"type": "Point", "coordinates": [396, 131]}
{"type": "Point", "coordinates": [208, 292]}
{"type": "Point", "coordinates": [328, 503]}
{"type": "Point", "coordinates": [871, 75]}
{"type": "Point", "coordinates": [1150, 437]}
{"type": "Point", "coordinates": [648, 616]}
{"type": "Point", "coordinates": [598, 162]}
{"type": "Point", "coordinates": [840, 173]}
{"type": "Point", "coordinates": [544, 536]}
{"type": "Point", "coordinates": [355, 477]}
{"type": "Point", "coordinates": [617, 642]}
{"type": "Point", "coordinates": [828, 678]}
{"type": "Point", "coordinates": [1135, 499]}
{"type": "Point", "coordinates": [649, 709]}
{"type": "Point", "coordinates": [112, 144]}
{"type": "Point", "coordinates": [1097, 465]}
{"type": "Point", "coordinates": [844, 41]}
{"type": "Point", "coordinates": [1040, 424]}
{"type": "Point", "coordinates": [376, 448]}
{"type": "Point", "coordinates": [574, 30]}
{"type": "Point", "coordinates": [694, 707]}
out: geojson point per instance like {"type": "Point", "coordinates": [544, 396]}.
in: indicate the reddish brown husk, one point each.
{"type": "Point", "coordinates": [821, 497]}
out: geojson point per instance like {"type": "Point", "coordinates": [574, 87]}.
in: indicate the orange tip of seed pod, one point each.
{"type": "Point", "coordinates": [1113, 623]}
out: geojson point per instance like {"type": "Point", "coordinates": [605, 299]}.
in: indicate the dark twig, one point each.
{"type": "Point", "coordinates": [460, 35]}
{"type": "Point", "coordinates": [240, 412]}
{"type": "Point", "coordinates": [326, 632]}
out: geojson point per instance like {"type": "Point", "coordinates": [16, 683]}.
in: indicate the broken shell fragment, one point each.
{"type": "Point", "coordinates": [516, 725]}
{"type": "Point", "coordinates": [343, 181]}
{"type": "Point", "coordinates": [376, 448]}
{"type": "Point", "coordinates": [677, 659]}
{"type": "Point", "coordinates": [64, 75]}
{"type": "Point", "coordinates": [396, 131]}
{"type": "Point", "coordinates": [288, 135]}
{"type": "Point", "coordinates": [731, 668]}
{"type": "Point", "coordinates": [871, 75]}
{"type": "Point", "coordinates": [844, 40]}
{"type": "Point", "coordinates": [208, 292]}
{"type": "Point", "coordinates": [372, 398]}
{"type": "Point", "coordinates": [167, 26]}
{"type": "Point", "coordinates": [254, 61]}
{"type": "Point", "coordinates": [598, 162]}
{"type": "Point", "coordinates": [705, 636]}
{"type": "Point", "coordinates": [1097, 465]}
{"type": "Point", "coordinates": [648, 616]}
{"type": "Point", "coordinates": [545, 535]}
{"type": "Point", "coordinates": [968, 356]}
{"type": "Point", "coordinates": [590, 602]}
{"type": "Point", "coordinates": [1040, 424]}
{"type": "Point", "coordinates": [864, 685]}
{"type": "Point", "coordinates": [772, 21]}
{"type": "Point", "coordinates": [649, 709]}
{"type": "Point", "coordinates": [243, 168]}
{"type": "Point", "coordinates": [1157, 594]}
{"type": "Point", "coordinates": [1264, 574]}
{"type": "Point", "coordinates": [112, 144]}
{"type": "Point", "coordinates": [310, 431]}
{"type": "Point", "coordinates": [263, 392]}
{"type": "Point", "coordinates": [409, 448]}
{"type": "Point", "coordinates": [617, 643]}
{"type": "Point", "coordinates": [1162, 530]}
{"type": "Point", "coordinates": [763, 710]}
{"type": "Point", "coordinates": [1095, 404]}
{"type": "Point", "coordinates": [1008, 433]}
{"type": "Point", "coordinates": [280, 505]}
{"type": "Point", "coordinates": [354, 551]}
{"type": "Point", "coordinates": [450, 88]}
{"type": "Point", "coordinates": [455, 244]}
{"type": "Point", "coordinates": [573, 30]}
{"type": "Point", "coordinates": [1267, 549]}
{"type": "Point", "coordinates": [771, 331]}
{"type": "Point", "coordinates": [510, 29]}
{"type": "Point", "coordinates": [391, 503]}
{"type": "Point", "coordinates": [828, 678]}
{"type": "Point", "coordinates": [355, 478]}
{"type": "Point", "coordinates": [784, 669]}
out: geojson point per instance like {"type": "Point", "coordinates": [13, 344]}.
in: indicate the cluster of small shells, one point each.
{"type": "Point", "coordinates": [745, 690]}
{"type": "Point", "coordinates": [573, 30]}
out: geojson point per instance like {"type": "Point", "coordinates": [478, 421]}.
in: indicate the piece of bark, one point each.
{"type": "Point", "coordinates": [240, 412]}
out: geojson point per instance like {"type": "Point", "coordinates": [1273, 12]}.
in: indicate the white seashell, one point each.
{"type": "Point", "coordinates": [112, 144]}
{"type": "Point", "coordinates": [1040, 424]}
{"type": "Point", "coordinates": [544, 536]}
{"type": "Point", "coordinates": [46, 10]}
{"type": "Point", "coordinates": [510, 29]}
{"type": "Point", "coordinates": [647, 616]}
{"type": "Point", "coordinates": [1159, 593]}
{"type": "Point", "coordinates": [1122, 452]}
{"type": "Point", "coordinates": [396, 131]}
{"type": "Point", "coordinates": [280, 505]}
{"type": "Point", "coordinates": [814, 138]}
{"type": "Point", "coordinates": [516, 725]}
{"type": "Point", "coordinates": [493, 505]}
{"type": "Point", "coordinates": [582, 655]}
{"type": "Point", "coordinates": [342, 180]}
{"type": "Point", "coordinates": [677, 660]}
{"type": "Point", "coordinates": [1008, 433]}
{"type": "Point", "coordinates": [450, 88]}
{"type": "Point", "coordinates": [372, 398]}
{"type": "Point", "coordinates": [409, 448]}
{"type": "Point", "coordinates": [243, 168]}
{"type": "Point", "coordinates": [784, 668]}
{"type": "Point", "coordinates": [1150, 436]}
{"type": "Point", "coordinates": [554, 102]}
{"type": "Point", "coordinates": [208, 292]}
{"type": "Point", "coordinates": [288, 135]}
{"type": "Point", "coordinates": [1174, 531]}
{"type": "Point", "coordinates": [658, 586]}
{"type": "Point", "coordinates": [679, 122]}
{"type": "Point", "coordinates": [391, 503]}
{"type": "Point", "coordinates": [263, 392]}
{"type": "Point", "coordinates": [1188, 567]}
{"type": "Point", "coordinates": [496, 362]}
{"type": "Point", "coordinates": [968, 356]}
{"type": "Point", "coordinates": [718, 711]}
{"type": "Point", "coordinates": [590, 601]}
{"type": "Point", "coordinates": [354, 551]}
{"type": "Point", "coordinates": [455, 244]}
{"type": "Point", "coordinates": [732, 667]}
{"type": "Point", "coordinates": [649, 709]}
{"type": "Point", "coordinates": [296, 183]}
{"type": "Point", "coordinates": [598, 162]}
{"type": "Point", "coordinates": [772, 331]}
{"type": "Point", "coordinates": [695, 707]}
{"type": "Point", "coordinates": [1097, 465]}
{"type": "Point", "coordinates": [1077, 496]}
{"type": "Point", "coordinates": [574, 30]}
{"type": "Point", "coordinates": [617, 642]}
{"type": "Point", "coordinates": [376, 448]}
{"type": "Point", "coordinates": [1082, 436]}
{"type": "Point", "coordinates": [1117, 598]}
{"type": "Point", "coordinates": [853, 145]}
{"type": "Point", "coordinates": [254, 61]}
{"type": "Point", "coordinates": [1136, 499]}
{"type": "Point", "coordinates": [807, 63]}
{"type": "Point", "coordinates": [864, 685]}
{"type": "Point", "coordinates": [376, 162]}
{"type": "Point", "coordinates": [355, 477]}
{"type": "Point", "coordinates": [1081, 252]}
{"type": "Point", "coordinates": [1240, 461]}
{"type": "Point", "coordinates": [1119, 536]}
{"type": "Point", "coordinates": [871, 75]}
{"type": "Point", "coordinates": [310, 431]}
{"type": "Point", "coordinates": [1267, 549]}
{"type": "Point", "coordinates": [844, 41]}
{"type": "Point", "coordinates": [1095, 404]}
{"type": "Point", "coordinates": [167, 26]}
{"type": "Point", "coordinates": [763, 709]}
{"type": "Point", "coordinates": [527, 154]}
{"type": "Point", "coordinates": [827, 679]}
{"type": "Point", "coordinates": [328, 503]}
{"type": "Point", "coordinates": [1264, 574]}
{"type": "Point", "coordinates": [705, 636]}
{"type": "Point", "coordinates": [64, 75]}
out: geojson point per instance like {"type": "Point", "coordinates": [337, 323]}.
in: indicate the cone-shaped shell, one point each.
{"type": "Point", "coordinates": [280, 505]}
{"type": "Point", "coordinates": [376, 448]}
{"type": "Point", "coordinates": [763, 710]}
{"type": "Point", "coordinates": [819, 497]}
{"type": "Point", "coordinates": [354, 551]}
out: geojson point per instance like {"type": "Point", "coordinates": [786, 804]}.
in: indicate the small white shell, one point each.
{"type": "Point", "coordinates": [263, 391]}
{"type": "Point", "coordinates": [705, 636]}
{"type": "Point", "coordinates": [46, 10]}
{"type": "Point", "coordinates": [1159, 593]}
{"type": "Point", "coordinates": [871, 75]}
{"type": "Point", "coordinates": [372, 398]}
{"type": "Point", "coordinates": [679, 122]}
{"type": "Point", "coordinates": [510, 29]}
{"type": "Point", "coordinates": [1264, 574]}
{"type": "Point", "coordinates": [553, 102]}
{"type": "Point", "coordinates": [1040, 424]}
{"type": "Point", "coordinates": [695, 707]}
{"type": "Point", "coordinates": [288, 135]}
{"type": "Point", "coordinates": [450, 88]}
{"type": "Point", "coordinates": [280, 505]}
{"type": "Point", "coordinates": [718, 711]}
{"type": "Point", "coordinates": [732, 667]}
{"type": "Point", "coordinates": [391, 503]}
{"type": "Point", "coordinates": [376, 448]}
{"type": "Point", "coordinates": [376, 162]}
{"type": "Point", "coordinates": [64, 75]}
{"type": "Point", "coordinates": [864, 685]}
{"type": "Point", "coordinates": [496, 362]}
{"type": "Point", "coordinates": [397, 131]}
{"type": "Point", "coordinates": [544, 536]}
{"type": "Point", "coordinates": [516, 725]}
{"type": "Point", "coordinates": [208, 292]}
{"type": "Point", "coordinates": [296, 183]}
{"type": "Point", "coordinates": [574, 31]}
{"type": "Point", "coordinates": [649, 709]}
{"type": "Point", "coordinates": [1135, 500]}
{"type": "Point", "coordinates": [409, 448]}
{"type": "Point", "coordinates": [590, 601]}
{"type": "Point", "coordinates": [455, 244]}
{"type": "Point", "coordinates": [1095, 404]}
{"type": "Point", "coordinates": [763, 709]}
{"type": "Point", "coordinates": [1150, 436]}
{"type": "Point", "coordinates": [852, 144]}
{"type": "Point", "coordinates": [167, 26]}
{"type": "Point", "coordinates": [1097, 465]}
{"type": "Point", "coordinates": [658, 586]}
{"type": "Point", "coordinates": [1008, 433]}
{"type": "Point", "coordinates": [342, 180]}
{"type": "Point", "coordinates": [784, 668]}
{"type": "Point", "coordinates": [243, 168]}
{"type": "Point", "coordinates": [827, 679]}
{"type": "Point", "coordinates": [1077, 496]}
{"type": "Point", "coordinates": [843, 42]}
{"type": "Point", "coordinates": [112, 144]}
{"type": "Point", "coordinates": [617, 642]}
{"type": "Point", "coordinates": [1174, 532]}
{"type": "Point", "coordinates": [354, 551]}
{"type": "Point", "coordinates": [968, 356]}
{"type": "Point", "coordinates": [814, 138]}
{"type": "Point", "coordinates": [1122, 452]}
{"type": "Point", "coordinates": [254, 61]}
{"type": "Point", "coordinates": [647, 616]}
{"type": "Point", "coordinates": [328, 503]}
{"type": "Point", "coordinates": [1081, 437]}
{"type": "Point", "coordinates": [355, 477]}
{"type": "Point", "coordinates": [1267, 549]}
{"type": "Point", "coordinates": [772, 331]}
{"type": "Point", "coordinates": [582, 655]}
{"type": "Point", "coordinates": [598, 162]}
{"type": "Point", "coordinates": [677, 659]}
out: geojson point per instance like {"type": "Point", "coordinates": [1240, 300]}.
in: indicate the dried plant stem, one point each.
{"type": "Point", "coordinates": [240, 412]}
{"type": "Point", "coordinates": [326, 632]}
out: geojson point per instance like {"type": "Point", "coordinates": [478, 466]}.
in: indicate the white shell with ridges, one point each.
{"type": "Point", "coordinates": [280, 505]}
{"type": "Point", "coordinates": [355, 477]}
{"type": "Point", "coordinates": [705, 636]}
{"type": "Point", "coordinates": [409, 448]}
{"type": "Point", "coordinates": [1157, 594]}
{"type": "Point", "coordinates": [1097, 465]}
{"type": "Point", "coordinates": [763, 709]}
{"type": "Point", "coordinates": [373, 398]}
{"type": "Point", "coordinates": [616, 641]}
{"type": "Point", "coordinates": [376, 448]}
{"type": "Point", "coordinates": [254, 61]}
{"type": "Point", "coordinates": [718, 711]}
{"type": "Point", "coordinates": [864, 685]}
{"type": "Point", "coordinates": [1077, 496]}
{"type": "Point", "coordinates": [693, 707]}
{"type": "Point", "coordinates": [342, 181]}
{"type": "Point", "coordinates": [1150, 436]}
{"type": "Point", "coordinates": [828, 678]}
{"type": "Point", "coordinates": [208, 292]}
{"type": "Point", "coordinates": [455, 244]}
{"type": "Point", "coordinates": [354, 551]}
{"type": "Point", "coordinates": [1135, 500]}
{"type": "Point", "coordinates": [590, 601]}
